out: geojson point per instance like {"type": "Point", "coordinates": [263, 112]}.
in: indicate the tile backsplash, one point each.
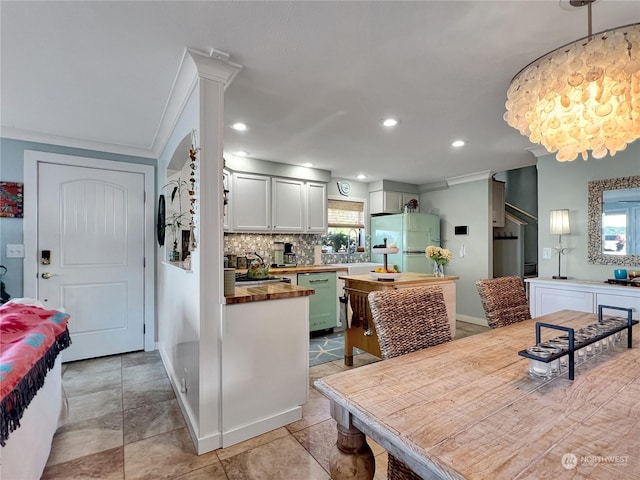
{"type": "Point", "coordinates": [245, 244]}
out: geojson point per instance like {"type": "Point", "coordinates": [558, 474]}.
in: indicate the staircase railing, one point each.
{"type": "Point", "coordinates": [519, 210]}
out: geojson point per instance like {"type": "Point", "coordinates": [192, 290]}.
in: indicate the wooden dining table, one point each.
{"type": "Point", "coordinates": [468, 409]}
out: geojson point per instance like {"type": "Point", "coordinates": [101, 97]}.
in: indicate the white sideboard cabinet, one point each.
{"type": "Point", "coordinates": [547, 295]}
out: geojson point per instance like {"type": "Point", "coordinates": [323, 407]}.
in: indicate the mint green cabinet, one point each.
{"type": "Point", "coordinates": [323, 306]}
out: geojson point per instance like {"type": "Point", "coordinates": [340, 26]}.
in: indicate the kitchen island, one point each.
{"type": "Point", "coordinates": [265, 359]}
{"type": "Point", "coordinates": [360, 331]}
{"type": "Point", "coordinates": [267, 291]}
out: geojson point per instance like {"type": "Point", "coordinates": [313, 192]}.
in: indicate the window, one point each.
{"type": "Point", "coordinates": [614, 232]}
{"type": "Point", "coordinates": [343, 217]}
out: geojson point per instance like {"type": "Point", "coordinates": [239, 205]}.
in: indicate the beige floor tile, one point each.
{"type": "Point", "coordinates": [91, 405]}
{"type": "Point", "coordinates": [382, 461]}
{"type": "Point", "coordinates": [315, 410]}
{"type": "Point", "coordinates": [319, 440]}
{"type": "Point", "coordinates": [364, 359]}
{"type": "Point", "coordinates": [144, 372]}
{"type": "Point", "coordinates": [79, 439]}
{"type": "Point", "coordinates": [137, 395]}
{"type": "Point", "coordinates": [140, 358]}
{"type": "Point", "coordinates": [163, 456]}
{"type": "Point", "coordinates": [152, 419]}
{"type": "Point", "coordinates": [282, 459]}
{"type": "Point", "coordinates": [324, 370]}
{"type": "Point", "coordinates": [212, 472]}
{"type": "Point", "coordinates": [238, 448]}
{"type": "Point", "coordinates": [107, 465]}
{"type": "Point", "coordinates": [94, 365]}
{"type": "Point", "coordinates": [82, 384]}
{"type": "Point", "coordinates": [465, 329]}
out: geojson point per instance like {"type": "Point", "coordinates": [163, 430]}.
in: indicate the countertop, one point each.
{"type": "Point", "coordinates": [303, 269]}
{"type": "Point", "coordinates": [406, 279]}
{"type": "Point", "coordinates": [267, 291]}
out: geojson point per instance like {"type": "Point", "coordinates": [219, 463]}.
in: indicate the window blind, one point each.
{"type": "Point", "coordinates": [343, 213]}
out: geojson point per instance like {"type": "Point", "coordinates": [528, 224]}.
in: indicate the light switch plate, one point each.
{"type": "Point", "coordinates": [15, 251]}
{"type": "Point", "coordinates": [546, 253]}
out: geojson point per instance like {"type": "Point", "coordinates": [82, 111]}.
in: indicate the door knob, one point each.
{"type": "Point", "coordinates": [47, 275]}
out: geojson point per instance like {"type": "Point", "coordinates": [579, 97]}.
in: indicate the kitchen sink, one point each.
{"type": "Point", "coordinates": [358, 268]}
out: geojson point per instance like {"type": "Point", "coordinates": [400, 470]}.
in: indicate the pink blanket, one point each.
{"type": "Point", "coordinates": [30, 340]}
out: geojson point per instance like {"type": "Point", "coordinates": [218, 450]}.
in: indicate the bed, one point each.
{"type": "Point", "coordinates": [32, 401]}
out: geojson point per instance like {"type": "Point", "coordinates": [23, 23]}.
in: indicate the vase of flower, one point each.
{"type": "Point", "coordinates": [440, 257]}
{"type": "Point", "coordinates": [438, 270]}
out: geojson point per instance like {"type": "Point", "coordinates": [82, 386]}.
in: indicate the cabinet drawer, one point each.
{"type": "Point", "coordinates": [619, 301]}
{"type": "Point", "coordinates": [549, 300]}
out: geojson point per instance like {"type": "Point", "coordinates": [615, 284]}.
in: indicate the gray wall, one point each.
{"type": "Point", "coordinates": [521, 190]}
{"type": "Point", "coordinates": [465, 204]}
{"type": "Point", "coordinates": [12, 170]}
{"type": "Point", "coordinates": [564, 185]}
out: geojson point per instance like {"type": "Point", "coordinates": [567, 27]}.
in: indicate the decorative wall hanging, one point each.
{"type": "Point", "coordinates": [160, 224]}
{"type": "Point", "coordinates": [193, 152]}
{"type": "Point", "coordinates": [11, 196]}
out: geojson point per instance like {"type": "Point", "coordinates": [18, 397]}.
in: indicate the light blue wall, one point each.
{"type": "Point", "coordinates": [12, 170]}
{"type": "Point", "coordinates": [465, 204]}
{"type": "Point", "coordinates": [565, 185]}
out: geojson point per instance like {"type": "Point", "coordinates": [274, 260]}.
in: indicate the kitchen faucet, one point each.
{"type": "Point", "coordinates": [349, 243]}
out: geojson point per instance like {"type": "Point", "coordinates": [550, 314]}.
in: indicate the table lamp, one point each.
{"type": "Point", "coordinates": [559, 226]}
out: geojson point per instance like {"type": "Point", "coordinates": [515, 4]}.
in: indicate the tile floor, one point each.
{"type": "Point", "coordinates": [125, 423]}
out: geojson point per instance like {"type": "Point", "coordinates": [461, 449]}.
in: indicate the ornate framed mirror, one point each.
{"type": "Point", "coordinates": [614, 221]}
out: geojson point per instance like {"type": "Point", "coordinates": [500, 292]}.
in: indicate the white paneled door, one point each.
{"type": "Point", "coordinates": [91, 227]}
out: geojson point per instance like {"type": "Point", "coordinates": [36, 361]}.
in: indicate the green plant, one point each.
{"type": "Point", "coordinates": [176, 220]}
{"type": "Point", "coordinates": [337, 240]}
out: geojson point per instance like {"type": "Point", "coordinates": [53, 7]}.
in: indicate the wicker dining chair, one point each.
{"type": "Point", "coordinates": [408, 320]}
{"type": "Point", "coordinates": [504, 300]}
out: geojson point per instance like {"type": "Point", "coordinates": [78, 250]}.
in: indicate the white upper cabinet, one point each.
{"type": "Point", "coordinates": [387, 202]}
{"type": "Point", "coordinates": [226, 185]}
{"type": "Point", "coordinates": [316, 207]}
{"type": "Point", "coordinates": [288, 199]}
{"type": "Point", "coordinates": [251, 203]}
{"type": "Point", "coordinates": [260, 203]}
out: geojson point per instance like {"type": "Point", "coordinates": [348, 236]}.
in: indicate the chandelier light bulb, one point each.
{"type": "Point", "coordinates": [582, 96]}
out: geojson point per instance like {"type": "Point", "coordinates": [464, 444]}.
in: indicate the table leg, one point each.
{"type": "Point", "coordinates": [351, 457]}
{"type": "Point", "coordinates": [348, 349]}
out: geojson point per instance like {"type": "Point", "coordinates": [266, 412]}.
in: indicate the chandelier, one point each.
{"type": "Point", "coordinates": [582, 96]}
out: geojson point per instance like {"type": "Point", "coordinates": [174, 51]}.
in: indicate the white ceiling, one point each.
{"type": "Point", "coordinates": [317, 77]}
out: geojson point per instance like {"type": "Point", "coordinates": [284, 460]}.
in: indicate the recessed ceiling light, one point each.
{"type": "Point", "coordinates": [308, 164]}
{"type": "Point", "coordinates": [361, 177]}
{"type": "Point", "coordinates": [241, 127]}
{"type": "Point", "coordinates": [390, 122]}
{"type": "Point", "coordinates": [241, 153]}
{"type": "Point", "coordinates": [458, 143]}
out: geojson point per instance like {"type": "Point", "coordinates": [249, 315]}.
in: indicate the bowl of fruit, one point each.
{"type": "Point", "coordinates": [390, 273]}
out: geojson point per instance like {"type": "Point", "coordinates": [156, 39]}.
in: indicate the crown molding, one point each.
{"type": "Point", "coordinates": [218, 69]}
{"type": "Point", "coordinates": [538, 151]}
{"type": "Point", "coordinates": [472, 177]}
{"type": "Point", "coordinates": [184, 82]}
{"type": "Point", "coordinates": [45, 138]}
{"type": "Point", "coordinates": [433, 186]}
{"type": "Point", "coordinates": [193, 66]}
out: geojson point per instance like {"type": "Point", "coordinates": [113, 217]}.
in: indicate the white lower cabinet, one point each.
{"type": "Point", "coordinates": [265, 366]}
{"type": "Point", "coordinates": [548, 295]}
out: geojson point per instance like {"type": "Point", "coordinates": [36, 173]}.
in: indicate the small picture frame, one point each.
{"type": "Point", "coordinates": [11, 199]}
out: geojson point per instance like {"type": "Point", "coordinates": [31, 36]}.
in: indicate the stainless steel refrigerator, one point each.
{"type": "Point", "coordinates": [412, 233]}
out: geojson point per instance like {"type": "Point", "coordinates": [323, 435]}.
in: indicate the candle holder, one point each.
{"type": "Point", "coordinates": [581, 343]}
